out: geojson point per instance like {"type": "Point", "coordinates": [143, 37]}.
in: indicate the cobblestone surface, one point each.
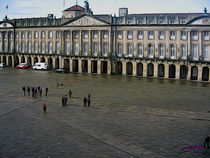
{"type": "Point", "coordinates": [128, 117]}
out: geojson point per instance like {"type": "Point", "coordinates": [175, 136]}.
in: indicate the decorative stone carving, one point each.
{"type": "Point", "coordinates": [3, 25]}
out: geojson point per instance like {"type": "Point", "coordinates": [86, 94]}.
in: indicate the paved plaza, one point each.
{"type": "Point", "coordinates": [129, 117]}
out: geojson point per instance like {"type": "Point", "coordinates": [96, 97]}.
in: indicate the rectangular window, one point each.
{"type": "Point", "coordinates": [10, 47]}
{"type": "Point", "coordinates": [172, 51]}
{"type": "Point", "coordinates": [36, 47]}
{"type": "Point", "coordinates": [67, 35]}
{"type": "Point", "coordinates": [23, 47]}
{"type": "Point", "coordinates": [183, 35]}
{"type": "Point", "coordinates": [119, 50]}
{"type": "Point", "coordinates": [67, 50]}
{"type": "Point", "coordinates": [161, 51]}
{"type": "Point", "coordinates": [184, 52]}
{"type": "Point", "coordinates": [29, 46]}
{"type": "Point", "coordinates": [95, 49]}
{"type": "Point", "coordinates": [140, 50]}
{"type": "Point", "coordinates": [129, 50]}
{"type": "Point", "coordinates": [119, 34]}
{"type": "Point", "coordinates": [85, 48]}
{"type": "Point", "coordinates": [95, 34]}
{"type": "Point", "coordinates": [17, 47]}
{"type": "Point", "coordinates": [130, 34]}
{"type": "Point", "coordinates": [85, 34]}
{"type": "Point", "coordinates": [29, 35]}
{"type": "Point", "coordinates": [206, 36]}
{"type": "Point", "coordinates": [76, 48]}
{"type": "Point", "coordinates": [172, 35]}
{"type": "Point", "coordinates": [23, 34]}
{"type": "Point", "coordinates": [140, 35]}
{"type": "Point", "coordinates": [43, 47]}
{"type": "Point", "coordinates": [161, 35]}
{"type": "Point", "coordinates": [105, 34]}
{"type": "Point", "coordinates": [206, 52]}
{"type": "Point", "coordinates": [151, 50]}
{"type": "Point", "coordinates": [10, 35]}
{"type": "Point", "coordinates": [195, 35]}
{"type": "Point", "coordinates": [57, 47]}
{"type": "Point", "coordinates": [50, 34]}
{"type": "Point", "coordinates": [50, 47]}
{"type": "Point", "coordinates": [36, 34]}
{"type": "Point", "coordinates": [105, 49]}
{"type": "Point", "coordinates": [151, 35]}
{"type": "Point", "coordinates": [57, 34]}
{"type": "Point", "coordinates": [195, 52]}
{"type": "Point", "coordinates": [43, 34]}
{"type": "Point", "coordinates": [17, 35]}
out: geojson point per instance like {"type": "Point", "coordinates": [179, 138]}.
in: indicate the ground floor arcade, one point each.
{"type": "Point", "coordinates": [140, 68]}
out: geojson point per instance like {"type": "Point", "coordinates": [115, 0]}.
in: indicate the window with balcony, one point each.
{"type": "Point", "coordinates": [161, 51]}
{"type": "Point", "coordinates": [43, 47]}
{"type": "Point", "coordinates": [206, 36]}
{"type": "Point", "coordinates": [172, 51]}
{"type": "Point", "coordinates": [195, 35]}
{"type": "Point", "coordinates": [151, 35]}
{"type": "Point", "coordinates": [29, 46]}
{"type": "Point", "coordinates": [85, 34]}
{"type": "Point", "coordinates": [161, 35]}
{"type": "Point", "coordinates": [105, 34]}
{"type": "Point", "coordinates": [119, 49]}
{"type": "Point", "coordinates": [151, 50]}
{"type": "Point", "coordinates": [140, 35]}
{"type": "Point", "coordinates": [85, 49]}
{"type": "Point", "coordinates": [29, 34]}
{"type": "Point", "coordinates": [50, 34]}
{"type": "Point", "coordinates": [67, 49]}
{"type": "Point", "coordinates": [195, 52]}
{"type": "Point", "coordinates": [36, 34]}
{"type": "Point", "coordinates": [183, 52]}
{"type": "Point", "coordinates": [129, 50]}
{"type": "Point", "coordinates": [140, 50]}
{"type": "Point", "coordinates": [119, 34]}
{"type": "Point", "coordinates": [105, 49]}
{"type": "Point", "coordinates": [183, 35]}
{"type": "Point", "coordinates": [172, 35]}
{"type": "Point", "coordinates": [130, 34]}
{"type": "Point", "coordinates": [50, 47]}
{"type": "Point", "coordinates": [206, 52]}
{"type": "Point", "coordinates": [36, 47]}
{"type": "Point", "coordinates": [57, 47]}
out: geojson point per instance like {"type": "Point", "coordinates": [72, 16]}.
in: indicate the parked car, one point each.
{"type": "Point", "coordinates": [40, 66]}
{"type": "Point", "coordinates": [61, 70]}
{"type": "Point", "coordinates": [22, 66]}
{"type": "Point", "coordinates": [2, 65]}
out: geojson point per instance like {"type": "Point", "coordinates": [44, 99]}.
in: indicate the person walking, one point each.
{"type": "Point", "coordinates": [44, 108]}
{"type": "Point", "coordinates": [46, 91]}
{"type": "Point", "coordinates": [69, 93]}
{"type": "Point", "coordinates": [24, 90]}
{"type": "Point", "coordinates": [85, 101]}
{"type": "Point", "coordinates": [65, 100]}
{"type": "Point", "coordinates": [206, 142]}
{"type": "Point", "coordinates": [28, 89]}
{"type": "Point", "coordinates": [88, 101]}
{"type": "Point", "coordinates": [40, 92]}
{"type": "Point", "coordinates": [62, 101]}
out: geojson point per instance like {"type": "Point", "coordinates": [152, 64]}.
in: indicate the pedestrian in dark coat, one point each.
{"type": "Point", "coordinates": [206, 142]}
{"type": "Point", "coordinates": [40, 92]}
{"type": "Point", "coordinates": [44, 108]}
{"type": "Point", "coordinates": [88, 100]}
{"type": "Point", "coordinates": [46, 91]}
{"type": "Point", "coordinates": [28, 89]}
{"type": "Point", "coordinates": [24, 90]}
{"type": "Point", "coordinates": [85, 101]}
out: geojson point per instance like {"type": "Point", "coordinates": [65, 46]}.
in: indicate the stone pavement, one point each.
{"type": "Point", "coordinates": [111, 127]}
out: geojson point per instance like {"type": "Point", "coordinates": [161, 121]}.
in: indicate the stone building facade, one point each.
{"type": "Point", "coordinates": [145, 45]}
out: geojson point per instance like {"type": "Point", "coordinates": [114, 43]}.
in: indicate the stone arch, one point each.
{"type": "Point", "coordinates": [140, 69]}
{"type": "Point", "coordinates": [10, 61]}
{"type": "Point", "coordinates": [50, 63]}
{"type": "Point", "coordinates": [150, 70]}
{"type": "Point", "coordinates": [4, 60]}
{"type": "Point", "coordinates": [94, 66]}
{"type": "Point", "coordinates": [57, 63]}
{"type": "Point", "coordinates": [161, 70]}
{"type": "Point", "coordinates": [194, 73]}
{"type": "Point", "coordinates": [23, 59]}
{"type": "Point", "coordinates": [42, 60]}
{"type": "Point", "coordinates": [205, 74]}
{"type": "Point", "coordinates": [36, 60]}
{"type": "Point", "coordinates": [172, 71]}
{"type": "Point", "coordinates": [119, 68]}
{"type": "Point", "coordinates": [16, 60]}
{"type": "Point", "coordinates": [183, 72]}
{"type": "Point", "coordinates": [66, 64]}
{"type": "Point", "coordinates": [104, 67]}
{"type": "Point", "coordinates": [29, 61]}
{"type": "Point", "coordinates": [129, 68]}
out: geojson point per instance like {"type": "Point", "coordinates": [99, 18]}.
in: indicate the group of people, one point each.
{"type": "Point", "coordinates": [34, 91]}
{"type": "Point", "coordinates": [86, 101]}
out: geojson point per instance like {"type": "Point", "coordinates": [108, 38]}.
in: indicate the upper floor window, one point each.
{"type": "Point", "coordinates": [58, 34]}
{"type": "Point", "coordinates": [85, 48]}
{"type": "Point", "coordinates": [140, 50]}
{"type": "Point", "coordinates": [140, 35]}
{"type": "Point", "coordinates": [105, 49]}
{"type": "Point", "coordinates": [206, 52]}
{"type": "Point", "coordinates": [85, 34]}
{"type": "Point", "coordinates": [195, 35]}
{"type": "Point", "coordinates": [23, 34]}
{"type": "Point", "coordinates": [151, 35]}
{"type": "Point", "coordinates": [161, 35]}
{"type": "Point", "coordinates": [10, 35]}
{"type": "Point", "coordinates": [0, 35]}
{"type": "Point", "coordinates": [161, 51]}
{"type": "Point", "coordinates": [151, 50]}
{"type": "Point", "coordinates": [50, 34]}
{"type": "Point", "coordinates": [195, 52]}
{"type": "Point", "coordinates": [119, 49]}
{"type": "Point", "coordinates": [36, 47]}
{"type": "Point", "coordinates": [16, 35]}
{"type": "Point", "coordinates": [43, 47]}
{"type": "Point", "coordinates": [206, 35]}
{"type": "Point", "coordinates": [29, 35]}
{"type": "Point", "coordinates": [95, 48]}
{"type": "Point", "coordinates": [130, 34]}
{"type": "Point", "coordinates": [183, 52]}
{"type": "Point", "coordinates": [57, 47]}
{"type": "Point", "coordinates": [183, 35]}
{"type": "Point", "coordinates": [129, 50]}
{"type": "Point", "coordinates": [119, 34]}
{"type": "Point", "coordinates": [172, 35]}
{"type": "Point", "coordinates": [67, 48]}
{"type": "Point", "coordinates": [105, 34]}
{"type": "Point", "coordinates": [172, 51]}
{"type": "Point", "coordinates": [171, 21]}
{"type": "Point", "coordinates": [67, 34]}
{"type": "Point", "coordinates": [36, 34]}
{"type": "Point", "coordinates": [95, 34]}
{"type": "Point", "coordinates": [43, 34]}
{"type": "Point", "coordinates": [50, 47]}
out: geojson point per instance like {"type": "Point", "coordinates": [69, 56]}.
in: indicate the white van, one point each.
{"type": "Point", "coordinates": [40, 66]}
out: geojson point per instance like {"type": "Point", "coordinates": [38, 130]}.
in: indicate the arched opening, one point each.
{"type": "Point", "coordinates": [183, 72]}
{"type": "Point", "coordinates": [4, 60]}
{"type": "Point", "coordinates": [150, 70]}
{"type": "Point", "coordinates": [42, 60]}
{"type": "Point", "coordinates": [29, 61]}
{"type": "Point", "coordinates": [10, 61]}
{"type": "Point", "coordinates": [161, 70]}
{"type": "Point", "coordinates": [205, 74]}
{"type": "Point", "coordinates": [139, 69]}
{"type": "Point", "coordinates": [119, 68]}
{"type": "Point", "coordinates": [84, 66]}
{"type": "Point", "coordinates": [103, 67]}
{"type": "Point", "coordinates": [0, 59]}
{"type": "Point", "coordinates": [172, 71]}
{"type": "Point", "coordinates": [16, 61]}
{"type": "Point", "coordinates": [94, 66]}
{"type": "Point", "coordinates": [50, 63]}
{"type": "Point", "coordinates": [22, 59]}
{"type": "Point", "coordinates": [66, 64]}
{"type": "Point", "coordinates": [194, 73]}
{"type": "Point", "coordinates": [75, 65]}
{"type": "Point", "coordinates": [129, 68]}
{"type": "Point", "coordinates": [36, 60]}
{"type": "Point", "coordinates": [57, 63]}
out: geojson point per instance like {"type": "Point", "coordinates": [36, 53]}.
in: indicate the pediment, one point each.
{"type": "Point", "coordinates": [200, 21]}
{"type": "Point", "coordinates": [86, 21]}
{"type": "Point", "coordinates": [6, 25]}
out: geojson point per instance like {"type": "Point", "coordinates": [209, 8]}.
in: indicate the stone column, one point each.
{"type": "Point", "coordinates": [199, 73]}
{"type": "Point", "coordinates": [90, 44]}
{"type": "Point", "coordinates": [155, 69]}
{"type": "Point", "coordinates": [100, 43]}
{"type": "Point", "coordinates": [32, 60]}
{"type": "Point", "coordinates": [108, 67]}
{"type": "Point", "coordinates": [99, 66]}
{"type": "Point", "coordinates": [89, 66]}
{"type": "Point", "coordinates": [200, 38]}
{"type": "Point", "coordinates": [166, 70]}
{"type": "Point", "coordinates": [134, 68]}
{"type": "Point", "coordinates": [189, 73]}
{"type": "Point", "coordinates": [177, 71]}
{"type": "Point", "coordinates": [13, 64]}
{"type": "Point", "coordinates": [71, 65]}
{"type": "Point", "coordinates": [80, 65]}
{"type": "Point", "coordinates": [144, 68]}
{"type": "Point", "coordinates": [124, 68]}
{"type": "Point", "coordinates": [53, 62]}
{"type": "Point", "coordinates": [7, 59]}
